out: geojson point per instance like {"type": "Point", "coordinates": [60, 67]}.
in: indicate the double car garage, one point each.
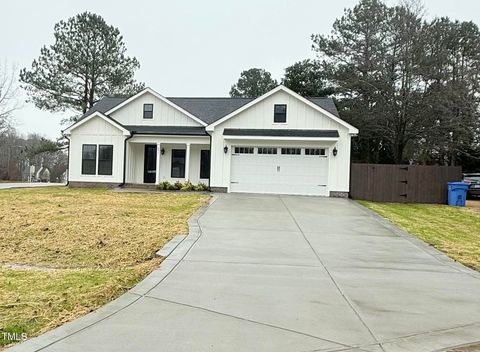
{"type": "Point", "coordinates": [282, 170]}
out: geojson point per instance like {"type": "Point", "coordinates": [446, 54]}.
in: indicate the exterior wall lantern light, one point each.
{"type": "Point", "coordinates": [335, 151]}
{"type": "Point", "coordinates": [162, 151]}
{"type": "Point", "coordinates": [225, 149]}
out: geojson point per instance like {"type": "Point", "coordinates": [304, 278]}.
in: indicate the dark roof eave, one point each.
{"type": "Point", "coordinates": [281, 133]}
{"type": "Point", "coordinates": [169, 134]}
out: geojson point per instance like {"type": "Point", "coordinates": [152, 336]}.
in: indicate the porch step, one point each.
{"type": "Point", "coordinates": [140, 185]}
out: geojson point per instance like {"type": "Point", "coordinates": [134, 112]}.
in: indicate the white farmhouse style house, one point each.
{"type": "Point", "coordinates": [280, 143]}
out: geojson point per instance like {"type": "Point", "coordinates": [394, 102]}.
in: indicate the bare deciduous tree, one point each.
{"type": "Point", "coordinates": [8, 96]}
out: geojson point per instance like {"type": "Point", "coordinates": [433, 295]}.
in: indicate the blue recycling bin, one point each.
{"type": "Point", "coordinates": [457, 193]}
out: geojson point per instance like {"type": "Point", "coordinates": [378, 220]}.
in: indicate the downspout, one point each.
{"type": "Point", "coordinates": [68, 161]}
{"type": "Point", "coordinates": [125, 159]}
{"type": "Point", "coordinates": [210, 166]}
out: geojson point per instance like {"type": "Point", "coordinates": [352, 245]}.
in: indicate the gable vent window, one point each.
{"type": "Point", "coordinates": [291, 151]}
{"type": "Point", "coordinates": [243, 150]}
{"type": "Point", "coordinates": [280, 113]}
{"type": "Point", "coordinates": [267, 150]}
{"type": "Point", "coordinates": [315, 151]}
{"type": "Point", "coordinates": [148, 111]}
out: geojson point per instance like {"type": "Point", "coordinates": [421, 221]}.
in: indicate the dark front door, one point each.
{"type": "Point", "coordinates": [150, 163]}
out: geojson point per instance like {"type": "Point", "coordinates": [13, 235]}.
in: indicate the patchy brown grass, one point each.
{"type": "Point", "coordinates": [73, 250]}
{"type": "Point", "coordinates": [453, 230]}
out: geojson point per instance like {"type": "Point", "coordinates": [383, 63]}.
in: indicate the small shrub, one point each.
{"type": "Point", "coordinates": [187, 186]}
{"type": "Point", "coordinates": [201, 187]}
{"type": "Point", "coordinates": [165, 185]}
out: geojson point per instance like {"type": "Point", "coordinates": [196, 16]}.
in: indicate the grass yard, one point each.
{"type": "Point", "coordinates": [453, 230]}
{"type": "Point", "coordinates": [66, 252]}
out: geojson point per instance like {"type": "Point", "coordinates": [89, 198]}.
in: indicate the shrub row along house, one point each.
{"type": "Point", "coordinates": [280, 142]}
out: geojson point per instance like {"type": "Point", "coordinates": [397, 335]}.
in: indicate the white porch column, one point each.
{"type": "Point", "coordinates": [157, 165]}
{"type": "Point", "coordinates": [187, 163]}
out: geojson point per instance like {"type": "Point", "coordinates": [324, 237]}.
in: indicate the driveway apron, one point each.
{"type": "Point", "coordinates": [290, 273]}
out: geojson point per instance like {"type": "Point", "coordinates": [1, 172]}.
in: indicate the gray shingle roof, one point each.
{"type": "Point", "coordinates": [103, 105]}
{"type": "Point", "coordinates": [208, 110]}
{"type": "Point", "coordinates": [279, 132]}
{"type": "Point", "coordinates": [325, 103]}
{"type": "Point", "coordinates": [167, 130]}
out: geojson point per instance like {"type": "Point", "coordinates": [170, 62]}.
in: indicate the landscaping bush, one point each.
{"type": "Point", "coordinates": [201, 187]}
{"type": "Point", "coordinates": [186, 186]}
{"type": "Point", "coordinates": [165, 185]}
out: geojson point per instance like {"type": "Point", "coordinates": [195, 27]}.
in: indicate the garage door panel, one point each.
{"type": "Point", "coordinates": [277, 173]}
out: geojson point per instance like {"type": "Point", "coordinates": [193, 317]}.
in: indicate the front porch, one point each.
{"type": "Point", "coordinates": [151, 160]}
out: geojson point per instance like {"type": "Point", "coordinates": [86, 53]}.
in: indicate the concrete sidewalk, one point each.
{"type": "Point", "coordinates": [285, 273]}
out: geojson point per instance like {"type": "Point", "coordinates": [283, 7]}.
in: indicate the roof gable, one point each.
{"type": "Point", "coordinates": [160, 97]}
{"type": "Point", "coordinates": [328, 114]}
{"type": "Point", "coordinates": [207, 109]}
{"type": "Point", "coordinates": [96, 114]}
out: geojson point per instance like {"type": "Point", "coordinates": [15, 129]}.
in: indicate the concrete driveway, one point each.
{"type": "Point", "coordinates": [285, 273]}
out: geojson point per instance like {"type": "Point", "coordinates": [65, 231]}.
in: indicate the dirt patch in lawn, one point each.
{"type": "Point", "coordinates": [474, 204]}
{"type": "Point", "coordinates": [65, 252]}
{"type": "Point", "coordinates": [471, 348]}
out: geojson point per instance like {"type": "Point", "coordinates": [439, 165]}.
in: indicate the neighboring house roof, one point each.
{"type": "Point", "coordinates": [207, 109]}
{"type": "Point", "coordinates": [280, 133]}
{"type": "Point", "coordinates": [167, 130]}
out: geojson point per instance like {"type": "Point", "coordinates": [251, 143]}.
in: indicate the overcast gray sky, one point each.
{"type": "Point", "coordinates": [187, 48]}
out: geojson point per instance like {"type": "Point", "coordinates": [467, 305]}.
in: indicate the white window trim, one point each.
{"type": "Point", "coordinates": [96, 160]}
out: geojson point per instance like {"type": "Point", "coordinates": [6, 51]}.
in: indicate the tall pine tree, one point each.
{"type": "Point", "coordinates": [87, 61]}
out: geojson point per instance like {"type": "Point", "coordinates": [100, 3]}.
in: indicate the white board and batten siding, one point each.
{"type": "Point", "coordinates": [99, 132]}
{"type": "Point", "coordinates": [163, 113]}
{"type": "Point", "coordinates": [299, 116]}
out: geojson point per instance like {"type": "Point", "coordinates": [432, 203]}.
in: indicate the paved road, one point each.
{"type": "Point", "coordinates": [284, 273]}
{"type": "Point", "coordinates": [28, 185]}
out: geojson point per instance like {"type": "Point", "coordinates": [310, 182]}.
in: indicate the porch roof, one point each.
{"type": "Point", "coordinates": [167, 130]}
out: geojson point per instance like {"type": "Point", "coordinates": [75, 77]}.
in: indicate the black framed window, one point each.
{"type": "Point", "coordinates": [205, 164]}
{"type": "Point", "coordinates": [105, 159]}
{"type": "Point", "coordinates": [243, 150]}
{"type": "Point", "coordinates": [315, 151]}
{"type": "Point", "coordinates": [148, 111]}
{"type": "Point", "coordinates": [262, 150]}
{"type": "Point", "coordinates": [89, 159]}
{"type": "Point", "coordinates": [291, 151]}
{"type": "Point", "coordinates": [280, 113]}
{"type": "Point", "coordinates": [178, 163]}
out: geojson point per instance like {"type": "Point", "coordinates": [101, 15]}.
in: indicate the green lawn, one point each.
{"type": "Point", "coordinates": [453, 230]}
{"type": "Point", "coordinates": [65, 252]}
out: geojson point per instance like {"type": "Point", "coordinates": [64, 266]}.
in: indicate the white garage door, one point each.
{"type": "Point", "coordinates": [282, 170]}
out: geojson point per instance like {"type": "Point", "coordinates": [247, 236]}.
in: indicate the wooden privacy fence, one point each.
{"type": "Point", "coordinates": [402, 183]}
